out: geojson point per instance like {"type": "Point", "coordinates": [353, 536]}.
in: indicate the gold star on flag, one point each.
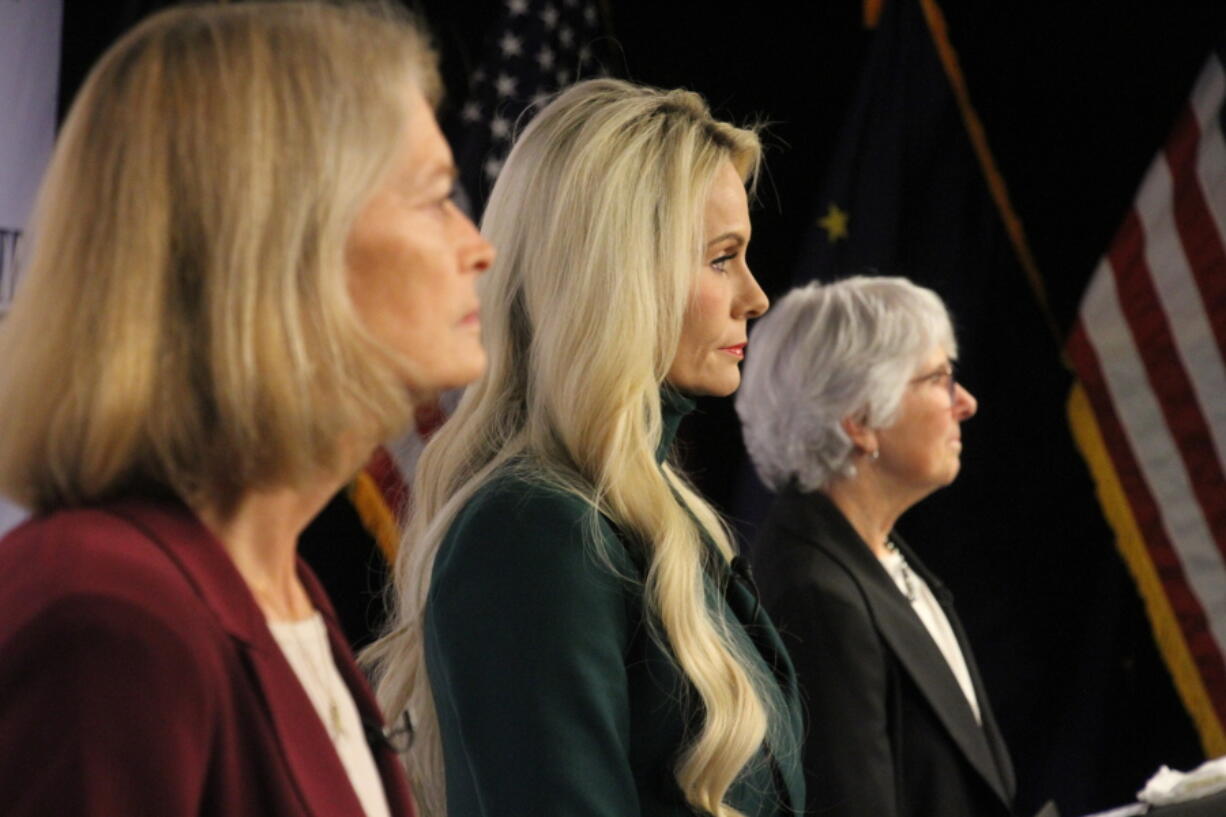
{"type": "Point", "coordinates": [834, 223]}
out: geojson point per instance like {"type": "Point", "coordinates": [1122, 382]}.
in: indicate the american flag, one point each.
{"type": "Point", "coordinates": [537, 48]}
{"type": "Point", "coordinates": [1149, 412]}
{"type": "Point", "coordinates": [380, 491]}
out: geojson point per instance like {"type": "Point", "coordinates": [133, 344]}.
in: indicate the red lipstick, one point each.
{"type": "Point", "coordinates": [736, 350]}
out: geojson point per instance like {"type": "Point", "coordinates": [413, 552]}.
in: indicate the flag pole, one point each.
{"type": "Point", "coordinates": [996, 183]}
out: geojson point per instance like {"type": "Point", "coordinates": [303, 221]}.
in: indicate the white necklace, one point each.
{"type": "Point", "coordinates": [903, 570]}
{"type": "Point", "coordinates": [333, 722]}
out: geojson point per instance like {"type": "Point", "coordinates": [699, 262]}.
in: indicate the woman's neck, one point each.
{"type": "Point", "coordinates": [260, 533]}
{"type": "Point", "coordinates": [871, 512]}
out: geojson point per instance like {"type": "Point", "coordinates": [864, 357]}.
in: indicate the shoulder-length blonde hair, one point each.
{"type": "Point", "coordinates": [597, 216]}
{"type": "Point", "coordinates": [184, 323]}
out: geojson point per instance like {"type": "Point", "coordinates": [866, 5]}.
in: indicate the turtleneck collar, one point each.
{"type": "Point", "coordinates": [673, 406]}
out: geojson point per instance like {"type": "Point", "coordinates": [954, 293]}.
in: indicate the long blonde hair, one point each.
{"type": "Point", "coordinates": [184, 324]}
{"type": "Point", "coordinates": [597, 217]}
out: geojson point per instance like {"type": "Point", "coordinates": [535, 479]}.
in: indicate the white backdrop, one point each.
{"type": "Point", "coordinates": [29, 82]}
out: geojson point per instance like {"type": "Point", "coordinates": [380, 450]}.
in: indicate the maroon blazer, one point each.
{"type": "Point", "coordinates": [138, 677]}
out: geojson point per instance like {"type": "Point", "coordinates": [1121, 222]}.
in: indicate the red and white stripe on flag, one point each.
{"type": "Point", "coordinates": [1149, 413]}
{"type": "Point", "coordinates": [380, 491]}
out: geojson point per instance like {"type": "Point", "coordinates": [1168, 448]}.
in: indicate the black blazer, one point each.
{"type": "Point", "coordinates": [889, 730]}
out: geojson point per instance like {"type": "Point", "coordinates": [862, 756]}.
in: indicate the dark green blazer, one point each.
{"type": "Point", "coordinates": [553, 698]}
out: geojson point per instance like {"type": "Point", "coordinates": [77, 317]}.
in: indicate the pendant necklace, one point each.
{"type": "Point", "coordinates": [333, 723]}
{"type": "Point", "coordinates": [903, 569]}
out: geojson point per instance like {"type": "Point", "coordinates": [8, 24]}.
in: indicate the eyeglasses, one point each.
{"type": "Point", "coordinates": [946, 376]}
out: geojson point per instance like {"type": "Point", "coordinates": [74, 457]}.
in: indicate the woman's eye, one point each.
{"type": "Point", "coordinates": [942, 379]}
{"type": "Point", "coordinates": [438, 201]}
{"type": "Point", "coordinates": [721, 263]}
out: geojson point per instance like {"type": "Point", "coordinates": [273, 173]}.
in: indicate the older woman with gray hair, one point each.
{"type": "Point", "coordinates": [852, 414]}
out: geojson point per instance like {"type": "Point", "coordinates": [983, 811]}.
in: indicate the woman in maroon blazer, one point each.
{"type": "Point", "coordinates": [245, 267]}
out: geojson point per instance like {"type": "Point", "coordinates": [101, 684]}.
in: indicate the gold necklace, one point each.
{"type": "Point", "coordinates": [333, 723]}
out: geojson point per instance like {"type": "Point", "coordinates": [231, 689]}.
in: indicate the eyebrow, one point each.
{"type": "Point", "coordinates": [735, 236]}
{"type": "Point", "coordinates": [950, 366]}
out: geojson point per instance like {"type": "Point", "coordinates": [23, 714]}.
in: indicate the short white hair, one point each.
{"type": "Point", "coordinates": [826, 352]}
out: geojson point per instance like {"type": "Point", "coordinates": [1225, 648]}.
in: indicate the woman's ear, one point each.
{"type": "Point", "coordinates": [862, 437]}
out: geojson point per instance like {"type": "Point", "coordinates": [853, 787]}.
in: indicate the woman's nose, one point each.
{"type": "Point", "coordinates": [965, 404]}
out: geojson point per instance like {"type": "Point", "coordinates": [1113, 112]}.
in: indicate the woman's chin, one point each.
{"type": "Point", "coordinates": [720, 385]}
{"type": "Point", "coordinates": [431, 381]}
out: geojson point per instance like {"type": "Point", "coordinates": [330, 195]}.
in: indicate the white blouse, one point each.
{"type": "Point", "coordinates": [929, 611]}
{"type": "Point", "coordinates": [305, 645]}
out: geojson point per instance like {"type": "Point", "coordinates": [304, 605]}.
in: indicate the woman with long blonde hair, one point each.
{"type": "Point", "coordinates": [246, 267]}
{"type": "Point", "coordinates": [571, 637]}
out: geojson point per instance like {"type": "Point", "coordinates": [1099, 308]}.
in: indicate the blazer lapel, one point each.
{"type": "Point", "coordinates": [991, 731]}
{"type": "Point", "coordinates": [314, 765]}
{"type": "Point", "coordinates": [813, 517]}
{"type": "Point", "coordinates": [918, 653]}
{"type": "Point", "coordinates": [395, 784]}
